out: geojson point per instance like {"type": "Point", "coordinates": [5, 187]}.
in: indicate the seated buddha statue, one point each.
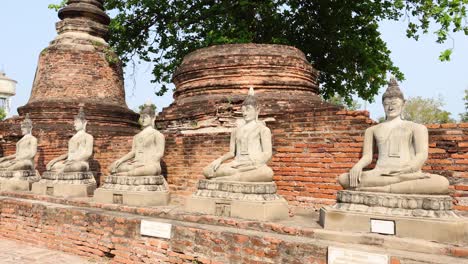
{"type": "Point", "coordinates": [80, 149]}
{"type": "Point", "coordinates": [402, 151]}
{"type": "Point", "coordinates": [250, 148]}
{"type": "Point", "coordinates": [26, 149]}
{"type": "Point", "coordinates": [147, 150]}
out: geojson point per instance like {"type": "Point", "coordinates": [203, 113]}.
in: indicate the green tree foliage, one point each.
{"type": "Point", "coordinates": [56, 7]}
{"type": "Point", "coordinates": [2, 114]}
{"type": "Point", "coordinates": [340, 38]}
{"type": "Point", "coordinates": [464, 116]}
{"type": "Point", "coordinates": [426, 111]}
{"type": "Point", "coordinates": [340, 101]}
{"type": "Point", "coordinates": [141, 107]}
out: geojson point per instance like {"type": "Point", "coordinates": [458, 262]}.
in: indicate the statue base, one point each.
{"type": "Point", "coordinates": [134, 190]}
{"type": "Point", "coordinates": [427, 217]}
{"type": "Point", "coordinates": [22, 180]}
{"type": "Point", "coordinates": [68, 184]}
{"type": "Point", "coordinates": [248, 200]}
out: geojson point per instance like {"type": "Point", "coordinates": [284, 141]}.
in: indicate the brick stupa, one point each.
{"type": "Point", "coordinates": [77, 69]}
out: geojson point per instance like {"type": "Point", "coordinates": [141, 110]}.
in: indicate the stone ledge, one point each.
{"type": "Point", "coordinates": [238, 187]}
{"type": "Point", "coordinates": [51, 175]}
{"type": "Point", "coordinates": [135, 180]}
{"type": "Point", "coordinates": [390, 200]}
{"type": "Point", "coordinates": [238, 191]}
{"type": "Point", "coordinates": [449, 230]}
{"type": "Point", "coordinates": [135, 183]}
{"type": "Point", "coordinates": [32, 175]}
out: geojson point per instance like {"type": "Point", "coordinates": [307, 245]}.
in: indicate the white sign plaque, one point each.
{"type": "Point", "coordinates": [155, 229]}
{"type": "Point", "coordinates": [386, 227]}
{"type": "Point", "coordinates": [348, 256]}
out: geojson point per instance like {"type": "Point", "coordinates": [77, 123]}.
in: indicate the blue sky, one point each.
{"type": "Point", "coordinates": [27, 29]}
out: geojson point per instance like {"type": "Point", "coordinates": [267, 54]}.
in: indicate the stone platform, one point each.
{"type": "Point", "coordinates": [426, 217]}
{"type": "Point", "coordinates": [248, 200]}
{"type": "Point", "coordinates": [71, 184]}
{"type": "Point", "coordinates": [18, 180]}
{"type": "Point", "coordinates": [134, 190]}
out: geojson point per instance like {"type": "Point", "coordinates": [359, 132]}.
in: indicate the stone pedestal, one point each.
{"type": "Point", "coordinates": [248, 200]}
{"type": "Point", "coordinates": [427, 217]}
{"type": "Point", "coordinates": [71, 184]}
{"type": "Point", "coordinates": [134, 190]}
{"type": "Point", "coordinates": [18, 180]}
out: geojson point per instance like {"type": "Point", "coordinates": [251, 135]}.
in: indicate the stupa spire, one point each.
{"type": "Point", "coordinates": [83, 16]}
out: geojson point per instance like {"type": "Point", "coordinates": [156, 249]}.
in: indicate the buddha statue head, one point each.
{"type": "Point", "coordinates": [80, 121]}
{"type": "Point", "coordinates": [393, 100]}
{"type": "Point", "coordinates": [26, 125]}
{"type": "Point", "coordinates": [250, 108]}
{"type": "Point", "coordinates": [147, 115]}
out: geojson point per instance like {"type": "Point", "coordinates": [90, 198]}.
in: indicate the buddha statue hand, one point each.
{"type": "Point", "coordinates": [215, 164]}
{"type": "Point", "coordinates": [355, 176]}
{"type": "Point", "coordinates": [50, 164]}
{"type": "Point", "coordinates": [113, 167]}
{"type": "Point", "coordinates": [240, 164]}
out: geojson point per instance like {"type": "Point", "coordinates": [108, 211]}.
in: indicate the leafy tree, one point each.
{"type": "Point", "coordinates": [338, 100]}
{"type": "Point", "coordinates": [381, 119]}
{"type": "Point", "coordinates": [340, 38]}
{"type": "Point", "coordinates": [464, 116]}
{"type": "Point", "coordinates": [56, 7]}
{"type": "Point", "coordinates": [2, 114]}
{"type": "Point", "coordinates": [426, 111]}
{"type": "Point", "coordinates": [141, 107]}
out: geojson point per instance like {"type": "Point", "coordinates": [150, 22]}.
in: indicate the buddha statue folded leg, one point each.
{"type": "Point", "coordinates": [134, 168]}
{"type": "Point", "coordinates": [261, 173]}
{"type": "Point", "coordinates": [14, 165]}
{"type": "Point", "coordinates": [70, 166]}
{"type": "Point", "coordinates": [416, 183]}
{"type": "Point", "coordinates": [6, 164]}
{"type": "Point", "coordinates": [426, 184]}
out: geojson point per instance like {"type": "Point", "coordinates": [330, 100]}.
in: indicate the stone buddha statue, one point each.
{"type": "Point", "coordinates": [26, 149]}
{"type": "Point", "coordinates": [402, 151]}
{"type": "Point", "coordinates": [80, 149]}
{"type": "Point", "coordinates": [250, 147]}
{"type": "Point", "coordinates": [147, 150]}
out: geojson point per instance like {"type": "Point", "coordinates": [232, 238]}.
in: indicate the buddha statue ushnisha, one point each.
{"type": "Point", "coordinates": [147, 150]}
{"type": "Point", "coordinates": [250, 148]}
{"type": "Point", "coordinates": [26, 149]}
{"type": "Point", "coordinates": [402, 151]}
